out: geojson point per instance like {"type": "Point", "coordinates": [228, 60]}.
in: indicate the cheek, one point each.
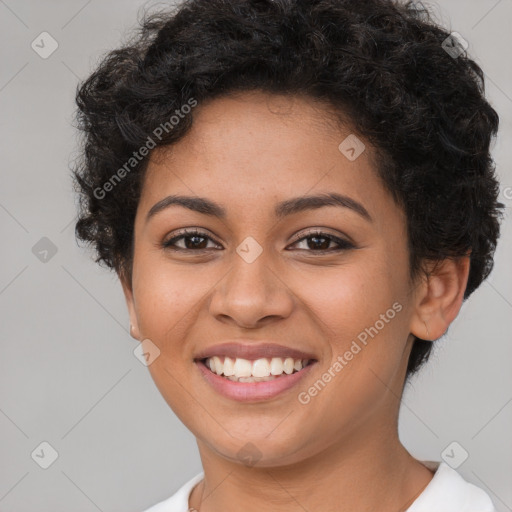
{"type": "Point", "coordinates": [349, 298]}
{"type": "Point", "coordinates": [363, 318]}
{"type": "Point", "coordinates": [362, 312]}
{"type": "Point", "coordinates": [167, 299]}
{"type": "Point", "coordinates": [167, 295]}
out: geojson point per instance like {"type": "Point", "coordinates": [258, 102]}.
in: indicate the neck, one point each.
{"type": "Point", "coordinates": [367, 471]}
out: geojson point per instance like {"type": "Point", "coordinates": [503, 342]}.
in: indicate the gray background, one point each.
{"type": "Point", "coordinates": [68, 375]}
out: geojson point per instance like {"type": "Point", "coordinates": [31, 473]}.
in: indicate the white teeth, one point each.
{"type": "Point", "coordinates": [229, 367]}
{"type": "Point", "coordinates": [263, 369]}
{"type": "Point", "coordinates": [252, 379]}
{"type": "Point", "coordinates": [276, 366]}
{"type": "Point", "coordinates": [288, 365]}
{"type": "Point", "coordinates": [218, 365]}
{"type": "Point", "coordinates": [243, 368]}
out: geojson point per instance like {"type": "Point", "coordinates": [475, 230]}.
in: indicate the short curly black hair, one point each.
{"type": "Point", "coordinates": [383, 65]}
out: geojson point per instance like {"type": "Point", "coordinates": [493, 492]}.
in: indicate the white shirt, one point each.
{"type": "Point", "coordinates": [446, 492]}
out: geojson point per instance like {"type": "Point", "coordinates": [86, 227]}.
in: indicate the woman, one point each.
{"type": "Point", "coordinates": [297, 197]}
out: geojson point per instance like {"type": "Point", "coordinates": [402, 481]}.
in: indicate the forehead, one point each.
{"type": "Point", "coordinates": [254, 148]}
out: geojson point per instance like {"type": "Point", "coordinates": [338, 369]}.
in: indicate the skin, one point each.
{"type": "Point", "coordinates": [340, 451]}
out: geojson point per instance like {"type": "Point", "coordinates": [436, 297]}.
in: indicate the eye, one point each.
{"type": "Point", "coordinates": [197, 241]}
{"type": "Point", "coordinates": [321, 242]}
{"type": "Point", "coordinates": [192, 239]}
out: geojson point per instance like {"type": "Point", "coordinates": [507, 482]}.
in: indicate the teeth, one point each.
{"type": "Point", "coordinates": [229, 367]}
{"type": "Point", "coordinates": [244, 370]}
{"type": "Point", "coordinates": [288, 365]}
{"type": "Point", "coordinates": [276, 366]}
{"type": "Point", "coordinates": [261, 368]}
{"type": "Point", "coordinates": [218, 365]}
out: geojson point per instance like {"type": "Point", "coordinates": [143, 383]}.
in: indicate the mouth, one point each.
{"type": "Point", "coordinates": [253, 380]}
{"type": "Point", "coordinates": [259, 370]}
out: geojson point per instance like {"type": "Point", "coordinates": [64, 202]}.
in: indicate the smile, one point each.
{"type": "Point", "coordinates": [253, 380]}
{"type": "Point", "coordinates": [245, 370]}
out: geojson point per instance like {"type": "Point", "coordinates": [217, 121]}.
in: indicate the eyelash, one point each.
{"type": "Point", "coordinates": [185, 233]}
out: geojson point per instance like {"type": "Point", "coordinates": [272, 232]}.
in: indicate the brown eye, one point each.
{"type": "Point", "coordinates": [321, 242]}
{"type": "Point", "coordinates": [193, 240]}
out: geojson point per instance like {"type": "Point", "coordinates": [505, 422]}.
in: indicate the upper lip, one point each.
{"type": "Point", "coordinates": [252, 351]}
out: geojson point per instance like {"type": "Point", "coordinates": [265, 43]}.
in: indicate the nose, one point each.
{"type": "Point", "coordinates": [251, 294]}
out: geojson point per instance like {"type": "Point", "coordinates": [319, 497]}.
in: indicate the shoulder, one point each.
{"type": "Point", "coordinates": [178, 502]}
{"type": "Point", "coordinates": [448, 491]}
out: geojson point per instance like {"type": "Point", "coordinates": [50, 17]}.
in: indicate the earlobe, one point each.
{"type": "Point", "coordinates": [441, 297]}
{"type": "Point", "coordinates": [134, 333]}
{"type": "Point", "coordinates": [130, 303]}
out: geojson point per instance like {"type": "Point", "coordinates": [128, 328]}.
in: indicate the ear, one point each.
{"type": "Point", "coordinates": [128, 294]}
{"type": "Point", "coordinates": [439, 297]}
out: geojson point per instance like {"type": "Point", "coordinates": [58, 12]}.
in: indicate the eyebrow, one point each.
{"type": "Point", "coordinates": [283, 209]}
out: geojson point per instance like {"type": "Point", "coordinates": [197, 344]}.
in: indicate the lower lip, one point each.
{"type": "Point", "coordinates": [252, 391]}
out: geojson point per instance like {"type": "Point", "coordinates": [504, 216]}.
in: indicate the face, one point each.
{"type": "Point", "coordinates": [327, 279]}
